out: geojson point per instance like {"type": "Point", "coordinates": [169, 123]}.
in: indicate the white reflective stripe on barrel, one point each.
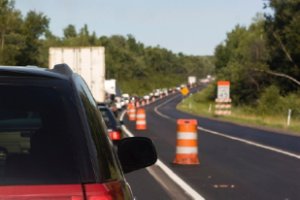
{"type": "Point", "coordinates": [186, 150]}
{"type": "Point", "coordinates": [140, 115]}
{"type": "Point", "coordinates": [186, 136]}
{"type": "Point", "coordinates": [140, 122]}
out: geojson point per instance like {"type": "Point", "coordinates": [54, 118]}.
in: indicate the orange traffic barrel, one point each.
{"type": "Point", "coordinates": [187, 142]}
{"type": "Point", "coordinates": [129, 105]}
{"type": "Point", "coordinates": [131, 112]}
{"type": "Point", "coordinates": [141, 123]}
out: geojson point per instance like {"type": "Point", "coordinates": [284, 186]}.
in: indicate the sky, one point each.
{"type": "Point", "coordinates": [192, 27]}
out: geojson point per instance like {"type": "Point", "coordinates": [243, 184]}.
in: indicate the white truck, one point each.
{"type": "Point", "coordinates": [110, 86]}
{"type": "Point", "coordinates": [192, 80]}
{"type": "Point", "coordinates": [89, 62]}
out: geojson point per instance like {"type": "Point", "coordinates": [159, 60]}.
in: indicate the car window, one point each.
{"type": "Point", "coordinates": [106, 161]}
{"type": "Point", "coordinates": [108, 117]}
{"type": "Point", "coordinates": [35, 144]}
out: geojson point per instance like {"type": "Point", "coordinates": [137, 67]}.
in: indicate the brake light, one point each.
{"type": "Point", "coordinates": [114, 135]}
{"type": "Point", "coordinates": [107, 191]}
{"type": "Point", "coordinates": [38, 192]}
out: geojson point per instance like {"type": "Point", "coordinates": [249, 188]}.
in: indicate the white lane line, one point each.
{"type": "Point", "coordinates": [297, 156]}
{"type": "Point", "coordinates": [159, 113]}
{"type": "Point", "coordinates": [181, 183]}
{"type": "Point", "coordinates": [251, 143]}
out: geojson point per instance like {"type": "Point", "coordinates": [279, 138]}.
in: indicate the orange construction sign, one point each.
{"type": "Point", "coordinates": [184, 91]}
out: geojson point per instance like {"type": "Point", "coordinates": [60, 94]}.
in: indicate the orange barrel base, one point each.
{"type": "Point", "coordinates": [187, 142]}
{"type": "Point", "coordinates": [185, 159]}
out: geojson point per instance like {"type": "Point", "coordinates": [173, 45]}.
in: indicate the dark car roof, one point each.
{"type": "Point", "coordinates": [32, 71]}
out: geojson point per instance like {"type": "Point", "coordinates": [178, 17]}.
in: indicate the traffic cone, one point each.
{"type": "Point", "coordinates": [187, 143]}
{"type": "Point", "coordinates": [131, 112]}
{"type": "Point", "coordinates": [141, 123]}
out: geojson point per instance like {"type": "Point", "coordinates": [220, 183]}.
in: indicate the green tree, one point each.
{"type": "Point", "coordinates": [283, 30]}
{"type": "Point", "coordinates": [11, 38]}
{"type": "Point", "coordinates": [241, 59]}
{"type": "Point", "coordinates": [70, 32]}
{"type": "Point", "coordinates": [34, 27]}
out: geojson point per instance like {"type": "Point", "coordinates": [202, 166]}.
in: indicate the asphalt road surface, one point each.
{"type": "Point", "coordinates": [236, 162]}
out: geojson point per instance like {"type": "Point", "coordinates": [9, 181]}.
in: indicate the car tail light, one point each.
{"type": "Point", "coordinates": [38, 192]}
{"type": "Point", "coordinates": [114, 135]}
{"type": "Point", "coordinates": [107, 191]}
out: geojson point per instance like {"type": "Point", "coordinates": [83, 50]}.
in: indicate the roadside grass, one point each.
{"type": "Point", "coordinates": [197, 104]}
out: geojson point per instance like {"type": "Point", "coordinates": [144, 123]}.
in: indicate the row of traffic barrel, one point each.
{"type": "Point", "coordinates": [138, 115]}
{"type": "Point", "coordinates": [187, 138]}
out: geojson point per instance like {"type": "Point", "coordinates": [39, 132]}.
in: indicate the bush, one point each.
{"type": "Point", "coordinates": [271, 102]}
{"type": "Point", "coordinates": [292, 101]}
{"type": "Point", "coordinates": [208, 94]}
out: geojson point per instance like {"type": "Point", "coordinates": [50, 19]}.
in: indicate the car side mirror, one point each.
{"type": "Point", "coordinates": [136, 153]}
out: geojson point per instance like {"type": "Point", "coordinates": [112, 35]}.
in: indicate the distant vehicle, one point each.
{"type": "Point", "coordinates": [204, 80]}
{"type": "Point", "coordinates": [125, 98]}
{"type": "Point", "coordinates": [111, 89]}
{"type": "Point", "coordinates": [110, 86]}
{"type": "Point", "coordinates": [146, 97]}
{"type": "Point", "coordinates": [113, 125]}
{"type": "Point", "coordinates": [182, 86]}
{"type": "Point", "coordinates": [156, 92]}
{"type": "Point", "coordinates": [164, 91]}
{"type": "Point", "coordinates": [192, 80]}
{"type": "Point", "coordinates": [53, 141]}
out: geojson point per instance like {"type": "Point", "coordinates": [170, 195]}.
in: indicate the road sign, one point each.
{"type": "Point", "coordinates": [223, 90]}
{"type": "Point", "coordinates": [184, 91]}
{"type": "Point", "coordinates": [223, 101]}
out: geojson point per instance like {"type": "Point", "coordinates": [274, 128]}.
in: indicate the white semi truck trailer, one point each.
{"type": "Point", "coordinates": [89, 62]}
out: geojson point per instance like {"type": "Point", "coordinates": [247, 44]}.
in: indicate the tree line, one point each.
{"type": "Point", "coordinates": [262, 60]}
{"type": "Point", "coordinates": [137, 68]}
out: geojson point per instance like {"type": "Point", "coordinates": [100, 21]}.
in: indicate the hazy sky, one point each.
{"type": "Point", "coordinates": [193, 27]}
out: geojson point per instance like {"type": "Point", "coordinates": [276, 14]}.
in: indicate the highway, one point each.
{"type": "Point", "coordinates": [236, 162]}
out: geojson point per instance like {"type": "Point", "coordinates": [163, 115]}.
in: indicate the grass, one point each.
{"type": "Point", "coordinates": [196, 104]}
